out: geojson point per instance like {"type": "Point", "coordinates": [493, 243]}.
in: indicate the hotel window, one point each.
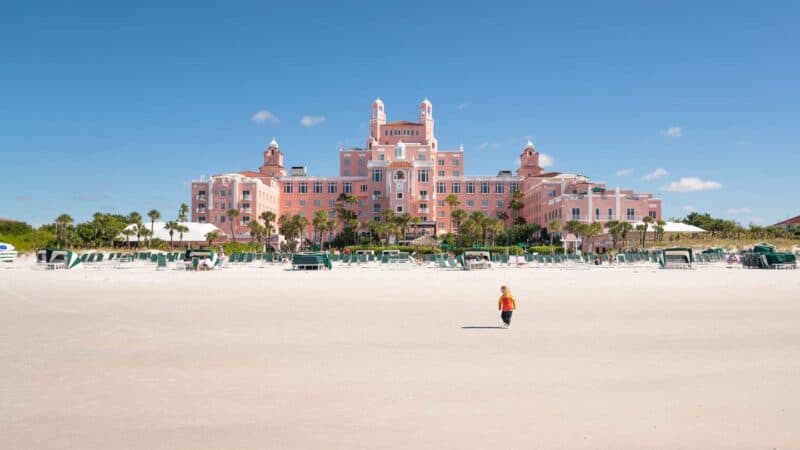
{"type": "Point", "coordinates": [499, 188]}
{"type": "Point", "coordinates": [246, 193]}
{"type": "Point", "coordinates": [363, 188]}
{"type": "Point", "coordinates": [381, 157]}
{"type": "Point", "coordinates": [610, 213]}
{"type": "Point", "coordinates": [287, 203]}
{"type": "Point", "coordinates": [348, 188]}
{"type": "Point", "coordinates": [422, 175]}
{"type": "Point", "coordinates": [376, 207]}
{"type": "Point", "coordinates": [361, 214]}
{"type": "Point", "coordinates": [245, 206]}
{"type": "Point", "coordinates": [440, 173]}
{"type": "Point", "coordinates": [317, 203]}
{"type": "Point", "coordinates": [423, 194]}
{"type": "Point", "coordinates": [376, 218]}
{"type": "Point", "coordinates": [456, 173]}
{"type": "Point", "coordinates": [470, 203]}
{"type": "Point", "coordinates": [362, 161]}
{"type": "Point", "coordinates": [222, 219]}
{"type": "Point", "coordinates": [455, 162]}
{"type": "Point", "coordinates": [346, 161]}
{"type": "Point", "coordinates": [399, 195]}
{"type": "Point", "coordinates": [222, 205]}
{"type": "Point", "coordinates": [441, 162]}
{"type": "Point", "coordinates": [470, 187]}
{"type": "Point", "coordinates": [455, 188]}
{"type": "Point", "coordinates": [440, 224]}
{"type": "Point", "coordinates": [318, 187]}
{"type": "Point", "coordinates": [597, 214]}
{"type": "Point", "coordinates": [499, 203]}
{"type": "Point", "coordinates": [331, 203]}
{"type": "Point", "coordinates": [302, 203]}
{"type": "Point", "coordinates": [377, 175]}
{"type": "Point", "coordinates": [376, 194]}
{"type": "Point", "coordinates": [303, 187]}
{"type": "Point", "coordinates": [332, 188]}
{"type": "Point", "coordinates": [222, 192]}
{"type": "Point", "coordinates": [201, 219]}
{"type": "Point", "coordinates": [245, 219]}
{"type": "Point", "coordinates": [631, 214]}
{"type": "Point", "coordinates": [331, 214]}
{"type": "Point", "coordinates": [440, 202]}
{"type": "Point", "coordinates": [361, 202]}
{"type": "Point", "coordinates": [399, 209]}
{"type": "Point", "coordinates": [484, 187]}
{"type": "Point", "coordinates": [484, 203]}
{"type": "Point", "coordinates": [440, 188]}
{"type": "Point", "coordinates": [287, 188]}
{"type": "Point", "coordinates": [421, 156]}
{"type": "Point", "coordinates": [576, 214]}
{"type": "Point", "coordinates": [514, 186]}
{"type": "Point", "coordinates": [652, 214]}
{"type": "Point", "coordinates": [201, 193]}
{"type": "Point", "coordinates": [440, 213]}
{"type": "Point", "coordinates": [423, 206]}
{"type": "Point", "coordinates": [346, 172]}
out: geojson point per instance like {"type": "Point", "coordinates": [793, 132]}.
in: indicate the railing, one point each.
{"type": "Point", "coordinates": [424, 210]}
{"type": "Point", "coordinates": [201, 196]}
{"type": "Point", "coordinates": [201, 210]}
{"type": "Point", "coordinates": [247, 197]}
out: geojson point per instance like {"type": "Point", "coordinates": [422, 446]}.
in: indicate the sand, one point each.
{"type": "Point", "coordinates": [381, 359]}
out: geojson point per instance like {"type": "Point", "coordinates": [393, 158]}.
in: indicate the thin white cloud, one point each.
{"type": "Point", "coordinates": [689, 208]}
{"type": "Point", "coordinates": [546, 160]}
{"type": "Point", "coordinates": [656, 174]}
{"type": "Point", "coordinates": [264, 116]}
{"type": "Point", "coordinates": [672, 132]}
{"type": "Point", "coordinates": [691, 184]}
{"type": "Point", "coordinates": [485, 145]}
{"type": "Point", "coordinates": [310, 121]}
{"type": "Point", "coordinates": [740, 211]}
{"type": "Point", "coordinates": [624, 172]}
{"type": "Point", "coordinates": [463, 106]}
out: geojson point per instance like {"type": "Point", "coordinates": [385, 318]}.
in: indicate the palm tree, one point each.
{"type": "Point", "coordinates": [624, 229]}
{"type": "Point", "coordinates": [516, 203]}
{"type": "Point", "coordinates": [403, 221]}
{"type": "Point", "coordinates": [172, 227]}
{"type": "Point", "coordinates": [614, 228]}
{"type": "Point", "coordinates": [494, 226]}
{"type": "Point", "coordinates": [181, 229]}
{"type": "Point", "coordinates": [128, 232]}
{"type": "Point", "coordinates": [553, 227]}
{"type": "Point", "coordinates": [646, 221]}
{"type": "Point", "coordinates": [62, 222]}
{"type": "Point", "coordinates": [592, 231]}
{"type": "Point", "coordinates": [319, 221]}
{"type": "Point", "coordinates": [345, 215]}
{"type": "Point", "coordinates": [458, 216]}
{"type": "Point", "coordinates": [660, 223]}
{"type": "Point", "coordinates": [182, 212]}
{"type": "Point", "coordinates": [154, 215]}
{"type": "Point", "coordinates": [232, 213]}
{"type": "Point", "coordinates": [300, 223]}
{"type": "Point", "coordinates": [211, 236]}
{"type": "Point", "coordinates": [574, 227]}
{"type": "Point", "coordinates": [269, 218]}
{"type": "Point", "coordinates": [452, 201]}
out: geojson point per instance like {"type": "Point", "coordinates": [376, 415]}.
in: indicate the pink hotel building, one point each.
{"type": "Point", "coordinates": [403, 168]}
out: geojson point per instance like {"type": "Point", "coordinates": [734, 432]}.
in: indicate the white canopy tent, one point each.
{"type": "Point", "coordinates": [673, 227]}
{"type": "Point", "coordinates": [197, 231]}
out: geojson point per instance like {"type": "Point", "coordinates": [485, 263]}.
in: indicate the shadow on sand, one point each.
{"type": "Point", "coordinates": [475, 327]}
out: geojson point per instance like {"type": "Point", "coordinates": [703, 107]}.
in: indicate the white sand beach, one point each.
{"type": "Point", "coordinates": [383, 359]}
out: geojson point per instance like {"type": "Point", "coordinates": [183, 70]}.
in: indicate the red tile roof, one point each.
{"type": "Point", "coordinates": [793, 221]}
{"type": "Point", "coordinates": [250, 173]}
{"type": "Point", "coordinates": [3, 219]}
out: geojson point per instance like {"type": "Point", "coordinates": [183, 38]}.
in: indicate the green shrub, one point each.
{"type": "Point", "coordinates": [29, 241]}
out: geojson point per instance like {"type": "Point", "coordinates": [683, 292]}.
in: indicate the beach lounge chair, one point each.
{"type": "Point", "coordinates": [161, 262]}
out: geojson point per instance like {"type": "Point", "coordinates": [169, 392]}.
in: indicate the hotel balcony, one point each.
{"type": "Point", "coordinates": [424, 210]}
{"type": "Point", "coordinates": [245, 210]}
{"type": "Point", "coordinates": [247, 198]}
{"type": "Point", "coordinates": [424, 197]}
{"type": "Point", "coordinates": [201, 196]}
{"type": "Point", "coordinates": [201, 210]}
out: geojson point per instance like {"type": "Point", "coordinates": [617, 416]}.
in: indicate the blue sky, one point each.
{"type": "Point", "coordinates": [117, 107]}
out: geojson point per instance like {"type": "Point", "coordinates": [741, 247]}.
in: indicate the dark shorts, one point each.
{"type": "Point", "coordinates": [506, 316]}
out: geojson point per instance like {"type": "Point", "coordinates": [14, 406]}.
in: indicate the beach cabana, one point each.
{"type": "Point", "coordinates": [676, 258]}
{"type": "Point", "coordinates": [311, 261]}
{"type": "Point", "coordinates": [56, 258]}
{"type": "Point", "coordinates": [194, 257]}
{"type": "Point", "coordinates": [425, 241]}
{"type": "Point", "coordinates": [7, 252]}
{"type": "Point", "coordinates": [474, 260]}
{"type": "Point", "coordinates": [764, 256]}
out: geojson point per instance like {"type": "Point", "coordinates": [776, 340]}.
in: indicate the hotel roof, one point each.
{"type": "Point", "coordinates": [404, 122]}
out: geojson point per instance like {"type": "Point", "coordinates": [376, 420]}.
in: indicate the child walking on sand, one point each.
{"type": "Point", "coordinates": [506, 305]}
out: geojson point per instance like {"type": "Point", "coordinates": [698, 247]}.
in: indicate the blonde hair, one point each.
{"type": "Point", "coordinates": [505, 289]}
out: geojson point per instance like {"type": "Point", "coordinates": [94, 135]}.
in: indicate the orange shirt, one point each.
{"type": "Point", "coordinates": [507, 303]}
